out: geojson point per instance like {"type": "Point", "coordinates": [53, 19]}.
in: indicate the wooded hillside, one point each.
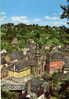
{"type": "Point", "coordinates": [15, 37]}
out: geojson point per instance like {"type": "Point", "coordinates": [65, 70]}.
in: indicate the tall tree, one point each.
{"type": "Point", "coordinates": [65, 13]}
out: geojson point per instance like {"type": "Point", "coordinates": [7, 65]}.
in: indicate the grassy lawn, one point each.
{"type": "Point", "coordinates": [53, 97]}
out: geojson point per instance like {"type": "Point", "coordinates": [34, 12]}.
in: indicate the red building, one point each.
{"type": "Point", "coordinates": [55, 61]}
{"type": "Point", "coordinates": [56, 65]}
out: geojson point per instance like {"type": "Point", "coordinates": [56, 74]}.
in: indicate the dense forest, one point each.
{"type": "Point", "coordinates": [42, 35]}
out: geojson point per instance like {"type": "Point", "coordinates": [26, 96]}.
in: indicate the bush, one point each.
{"type": "Point", "coordinates": [8, 95]}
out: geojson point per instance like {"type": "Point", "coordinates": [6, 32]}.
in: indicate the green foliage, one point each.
{"type": "Point", "coordinates": [21, 43]}
{"type": "Point", "coordinates": [8, 31]}
{"type": "Point", "coordinates": [65, 13]}
{"type": "Point", "coordinates": [64, 91]}
{"type": "Point", "coordinates": [8, 95]}
{"type": "Point", "coordinates": [42, 35]}
{"type": "Point", "coordinates": [6, 45]}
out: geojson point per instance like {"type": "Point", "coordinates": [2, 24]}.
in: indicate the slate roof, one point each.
{"type": "Point", "coordinates": [15, 87]}
{"type": "Point", "coordinates": [25, 60]}
{"type": "Point", "coordinates": [66, 66]}
{"type": "Point", "coordinates": [16, 55]}
{"type": "Point", "coordinates": [36, 84]}
{"type": "Point", "coordinates": [56, 55]}
{"type": "Point", "coordinates": [66, 58]}
{"type": "Point", "coordinates": [20, 65]}
{"type": "Point", "coordinates": [10, 85]}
